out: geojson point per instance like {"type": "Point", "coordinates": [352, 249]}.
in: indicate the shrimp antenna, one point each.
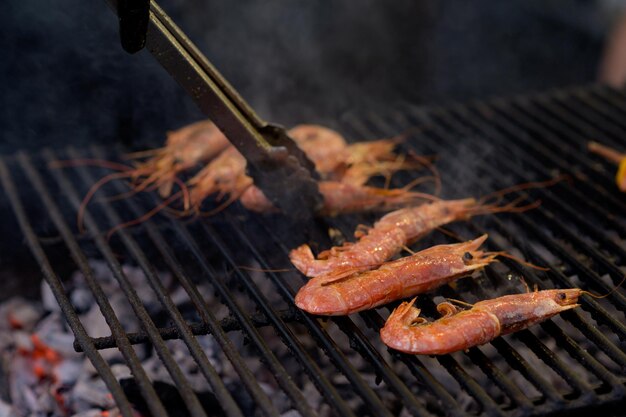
{"type": "Point", "coordinates": [428, 164]}
{"type": "Point", "coordinates": [417, 181]}
{"type": "Point", "coordinates": [523, 186]}
{"type": "Point", "coordinates": [92, 190]}
{"type": "Point", "coordinates": [516, 259]}
{"type": "Point", "coordinates": [409, 250]}
{"type": "Point", "coordinates": [143, 154]}
{"type": "Point", "coordinates": [608, 293]}
{"type": "Point", "coordinates": [402, 136]}
{"type": "Point", "coordinates": [459, 302]}
{"type": "Point", "coordinates": [145, 216]}
{"type": "Point", "coordinates": [185, 192]}
{"type": "Point", "coordinates": [413, 183]}
{"type": "Point", "coordinates": [511, 207]}
{"type": "Point", "coordinates": [450, 233]}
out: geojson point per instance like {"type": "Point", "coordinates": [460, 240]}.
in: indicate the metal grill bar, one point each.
{"type": "Point", "coordinates": [523, 113]}
{"type": "Point", "coordinates": [619, 326]}
{"type": "Point", "coordinates": [606, 317]}
{"type": "Point", "coordinates": [307, 362]}
{"type": "Point", "coordinates": [186, 392]}
{"type": "Point", "coordinates": [428, 380]}
{"type": "Point", "coordinates": [262, 400]}
{"type": "Point", "coordinates": [283, 378]}
{"type": "Point", "coordinates": [586, 99]}
{"type": "Point", "coordinates": [453, 367]}
{"type": "Point", "coordinates": [227, 324]}
{"type": "Point", "coordinates": [552, 219]}
{"type": "Point", "coordinates": [583, 325]}
{"type": "Point", "coordinates": [612, 99]}
{"type": "Point", "coordinates": [483, 231]}
{"type": "Point", "coordinates": [568, 225]}
{"type": "Point", "coordinates": [59, 293]}
{"type": "Point", "coordinates": [358, 340]}
{"type": "Point", "coordinates": [592, 121]}
{"type": "Point", "coordinates": [105, 307]}
{"type": "Point", "coordinates": [552, 243]}
{"type": "Point", "coordinates": [506, 124]}
{"type": "Point", "coordinates": [340, 360]}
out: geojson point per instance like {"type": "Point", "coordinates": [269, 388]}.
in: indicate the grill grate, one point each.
{"type": "Point", "coordinates": [573, 362]}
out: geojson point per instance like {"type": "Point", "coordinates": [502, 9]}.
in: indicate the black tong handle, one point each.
{"type": "Point", "coordinates": [133, 18]}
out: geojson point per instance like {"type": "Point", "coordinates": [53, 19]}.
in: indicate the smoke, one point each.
{"type": "Point", "coordinates": [65, 79]}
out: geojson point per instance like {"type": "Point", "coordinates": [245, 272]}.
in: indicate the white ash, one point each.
{"type": "Point", "coordinates": [47, 377]}
{"type": "Point", "coordinates": [19, 313]}
{"type": "Point", "coordinates": [47, 298]}
{"type": "Point", "coordinates": [7, 410]}
{"type": "Point", "coordinates": [72, 386]}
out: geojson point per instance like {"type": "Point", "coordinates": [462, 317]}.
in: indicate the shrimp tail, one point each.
{"type": "Point", "coordinates": [301, 257]}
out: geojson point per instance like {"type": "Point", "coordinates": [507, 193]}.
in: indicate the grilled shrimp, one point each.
{"type": "Point", "coordinates": [342, 198]}
{"type": "Point", "coordinates": [353, 290]}
{"type": "Point", "coordinates": [184, 149]}
{"type": "Point", "coordinates": [224, 175]}
{"type": "Point", "coordinates": [352, 163]}
{"type": "Point", "coordinates": [387, 237]}
{"type": "Point", "coordinates": [404, 226]}
{"type": "Point", "coordinates": [407, 332]}
{"type": "Point", "coordinates": [325, 147]}
{"type": "Point", "coordinates": [614, 156]}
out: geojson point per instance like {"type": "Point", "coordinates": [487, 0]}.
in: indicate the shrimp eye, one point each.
{"type": "Point", "coordinates": [468, 256]}
{"type": "Point", "coordinates": [562, 296]}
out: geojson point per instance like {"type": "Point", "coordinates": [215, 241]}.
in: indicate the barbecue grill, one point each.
{"type": "Point", "coordinates": [569, 365]}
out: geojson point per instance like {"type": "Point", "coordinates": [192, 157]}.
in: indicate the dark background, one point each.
{"type": "Point", "coordinates": [65, 79]}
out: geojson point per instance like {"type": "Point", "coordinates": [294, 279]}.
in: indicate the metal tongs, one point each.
{"type": "Point", "coordinates": [276, 164]}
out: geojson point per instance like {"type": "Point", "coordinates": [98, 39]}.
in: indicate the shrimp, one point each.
{"type": "Point", "coordinates": [355, 163]}
{"type": "Point", "coordinates": [342, 198]}
{"type": "Point", "coordinates": [407, 332]}
{"type": "Point", "coordinates": [184, 149]}
{"type": "Point", "coordinates": [225, 175]}
{"type": "Point", "coordinates": [354, 291]}
{"type": "Point", "coordinates": [388, 236]}
{"type": "Point", "coordinates": [325, 147]}
{"type": "Point", "coordinates": [359, 174]}
{"type": "Point", "coordinates": [399, 228]}
{"type": "Point", "coordinates": [615, 157]}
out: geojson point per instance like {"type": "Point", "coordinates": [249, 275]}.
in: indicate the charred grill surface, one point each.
{"type": "Point", "coordinates": [572, 363]}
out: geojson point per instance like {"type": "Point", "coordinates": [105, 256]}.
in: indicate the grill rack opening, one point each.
{"type": "Point", "coordinates": [572, 363]}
